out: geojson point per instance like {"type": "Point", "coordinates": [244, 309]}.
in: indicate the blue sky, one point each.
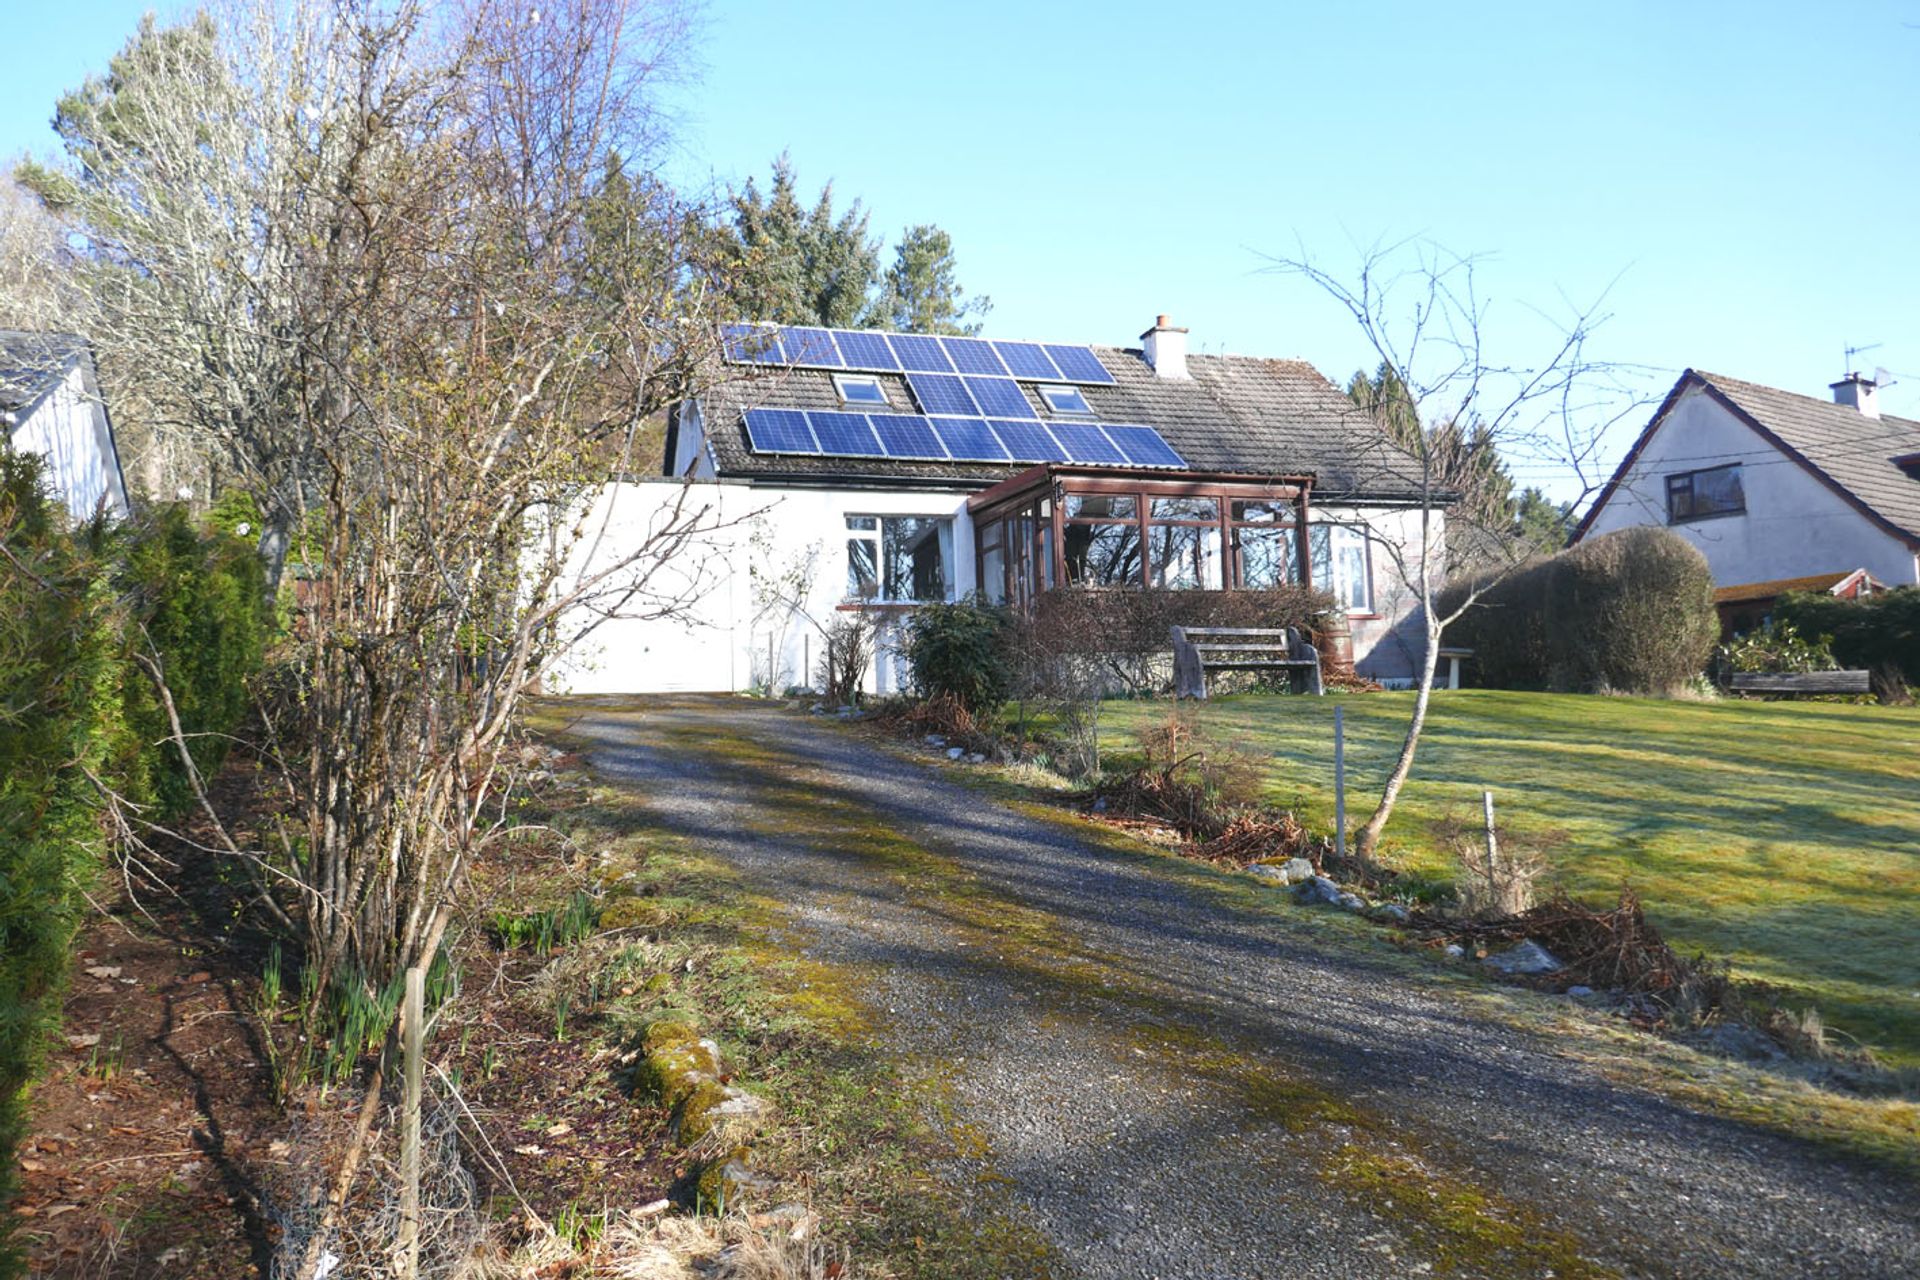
{"type": "Point", "coordinates": [1745, 177]}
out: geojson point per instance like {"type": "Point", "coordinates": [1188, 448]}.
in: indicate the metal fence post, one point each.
{"type": "Point", "coordinates": [1340, 783]}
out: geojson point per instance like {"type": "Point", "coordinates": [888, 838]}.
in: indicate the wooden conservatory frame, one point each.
{"type": "Point", "coordinates": [1020, 525]}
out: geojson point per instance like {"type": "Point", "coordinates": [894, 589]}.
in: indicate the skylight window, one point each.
{"type": "Point", "coordinates": [860, 390]}
{"type": "Point", "coordinates": [1066, 400]}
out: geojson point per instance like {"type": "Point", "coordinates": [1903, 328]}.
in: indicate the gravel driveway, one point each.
{"type": "Point", "coordinates": [1173, 1080]}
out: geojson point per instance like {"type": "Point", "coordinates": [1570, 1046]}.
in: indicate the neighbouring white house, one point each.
{"type": "Point", "coordinates": [862, 470]}
{"type": "Point", "coordinates": [1779, 491]}
{"type": "Point", "coordinates": [50, 405]}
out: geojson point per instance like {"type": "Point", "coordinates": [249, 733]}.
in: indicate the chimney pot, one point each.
{"type": "Point", "coordinates": [1165, 348]}
{"type": "Point", "coordinates": [1858, 392]}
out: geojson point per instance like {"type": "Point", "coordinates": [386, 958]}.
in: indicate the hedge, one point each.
{"type": "Point", "coordinates": [60, 721]}
{"type": "Point", "coordinates": [78, 712]}
{"type": "Point", "coordinates": [1630, 611]}
{"type": "Point", "coordinates": [1879, 633]}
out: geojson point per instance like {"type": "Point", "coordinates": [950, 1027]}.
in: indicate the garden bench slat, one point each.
{"type": "Point", "coordinates": [1802, 682]}
{"type": "Point", "coordinates": [1286, 648]}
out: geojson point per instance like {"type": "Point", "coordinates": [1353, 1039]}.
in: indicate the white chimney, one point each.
{"type": "Point", "coordinates": [1166, 349]}
{"type": "Point", "coordinates": [1858, 392]}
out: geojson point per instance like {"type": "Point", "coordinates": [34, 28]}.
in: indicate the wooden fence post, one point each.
{"type": "Point", "coordinates": [1340, 784]}
{"type": "Point", "coordinates": [412, 1052]}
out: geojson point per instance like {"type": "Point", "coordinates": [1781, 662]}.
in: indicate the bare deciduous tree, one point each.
{"type": "Point", "coordinates": [393, 270]}
{"type": "Point", "coordinates": [1419, 310]}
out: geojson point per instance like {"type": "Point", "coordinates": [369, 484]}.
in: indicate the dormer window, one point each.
{"type": "Point", "coordinates": [860, 390]}
{"type": "Point", "coordinates": [1066, 401]}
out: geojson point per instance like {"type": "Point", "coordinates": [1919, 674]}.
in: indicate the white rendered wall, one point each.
{"type": "Point", "coordinates": [725, 640]}
{"type": "Point", "coordinates": [1388, 642]}
{"type": "Point", "coordinates": [1794, 525]}
{"type": "Point", "coordinates": [69, 430]}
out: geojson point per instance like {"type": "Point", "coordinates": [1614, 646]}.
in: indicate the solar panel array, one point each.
{"type": "Point", "coordinates": [955, 438]}
{"type": "Point", "coordinates": [869, 352]}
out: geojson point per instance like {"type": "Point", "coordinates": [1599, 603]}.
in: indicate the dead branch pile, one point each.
{"type": "Point", "coordinates": [943, 716]}
{"type": "Point", "coordinates": [1264, 834]}
{"type": "Point", "coordinates": [1612, 949]}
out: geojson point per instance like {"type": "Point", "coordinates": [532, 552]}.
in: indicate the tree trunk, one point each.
{"type": "Point", "coordinates": [1369, 837]}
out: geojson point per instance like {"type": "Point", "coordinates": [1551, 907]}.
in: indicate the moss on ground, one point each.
{"type": "Point", "coordinates": [1464, 1228]}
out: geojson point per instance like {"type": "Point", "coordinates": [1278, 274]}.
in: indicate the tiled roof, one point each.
{"type": "Point", "coordinates": [1853, 451]}
{"type": "Point", "coordinates": [32, 364]}
{"type": "Point", "coordinates": [1236, 414]}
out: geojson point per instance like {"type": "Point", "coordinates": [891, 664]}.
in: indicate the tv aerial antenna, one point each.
{"type": "Point", "coordinates": [1860, 351]}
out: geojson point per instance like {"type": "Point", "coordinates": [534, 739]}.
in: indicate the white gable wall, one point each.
{"type": "Point", "coordinates": [728, 635]}
{"type": "Point", "coordinates": [69, 429]}
{"type": "Point", "coordinates": [1794, 525]}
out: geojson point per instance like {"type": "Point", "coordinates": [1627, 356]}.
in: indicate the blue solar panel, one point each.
{"type": "Point", "coordinates": [969, 439]}
{"type": "Point", "coordinates": [1000, 398]}
{"type": "Point", "coordinates": [1028, 441]}
{"type": "Point", "coordinates": [1143, 446]}
{"type": "Point", "coordinates": [1027, 360]}
{"type": "Point", "coordinates": [810, 348]}
{"type": "Point", "coordinates": [917, 351]}
{"type": "Point", "coordinates": [780, 431]}
{"type": "Point", "coordinates": [942, 393]}
{"type": "Point", "coordinates": [752, 344]}
{"type": "Point", "coordinates": [905, 435]}
{"type": "Point", "coordinates": [865, 350]}
{"type": "Point", "coordinates": [1086, 442]}
{"type": "Point", "coordinates": [1077, 364]}
{"type": "Point", "coordinates": [973, 355]}
{"type": "Point", "coordinates": [845, 435]}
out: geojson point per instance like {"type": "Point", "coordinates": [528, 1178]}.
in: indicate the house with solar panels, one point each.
{"type": "Point", "coordinates": [861, 470]}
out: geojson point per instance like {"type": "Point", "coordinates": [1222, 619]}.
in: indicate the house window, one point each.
{"type": "Point", "coordinates": [860, 390]}
{"type": "Point", "coordinates": [1342, 565]}
{"type": "Point", "coordinates": [1700, 495]}
{"type": "Point", "coordinates": [1103, 540]}
{"type": "Point", "coordinates": [899, 559]}
{"type": "Point", "coordinates": [1265, 539]}
{"type": "Point", "coordinates": [1183, 543]}
{"type": "Point", "coordinates": [1066, 400]}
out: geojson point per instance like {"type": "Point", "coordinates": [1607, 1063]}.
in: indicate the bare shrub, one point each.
{"type": "Point", "coordinates": [1496, 883]}
{"type": "Point", "coordinates": [453, 1225]}
{"type": "Point", "coordinates": [846, 654]}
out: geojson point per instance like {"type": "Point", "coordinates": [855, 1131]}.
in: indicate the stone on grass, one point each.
{"type": "Point", "coordinates": [954, 753]}
{"type": "Point", "coordinates": [935, 740]}
{"type": "Point", "coordinates": [1455, 951]}
{"type": "Point", "coordinates": [1317, 890]}
{"type": "Point", "coordinates": [1527, 958]}
{"type": "Point", "coordinates": [1579, 993]}
{"type": "Point", "coordinates": [1353, 902]}
{"type": "Point", "coordinates": [976, 758]}
{"type": "Point", "coordinates": [1297, 869]}
{"type": "Point", "coordinates": [1389, 911]}
{"type": "Point", "coordinates": [1267, 871]}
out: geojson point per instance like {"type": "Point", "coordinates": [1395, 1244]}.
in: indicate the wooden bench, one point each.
{"type": "Point", "coordinates": [1807, 682]}
{"type": "Point", "coordinates": [1198, 650]}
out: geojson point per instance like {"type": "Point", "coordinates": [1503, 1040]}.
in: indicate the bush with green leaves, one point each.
{"type": "Point", "coordinates": [1630, 611]}
{"type": "Point", "coordinates": [60, 731]}
{"type": "Point", "coordinates": [195, 598]}
{"type": "Point", "coordinates": [960, 650]}
{"type": "Point", "coordinates": [1777, 647]}
{"type": "Point", "coordinates": [1879, 633]}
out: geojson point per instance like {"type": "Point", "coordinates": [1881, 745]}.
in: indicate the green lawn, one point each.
{"type": "Point", "coordinates": [1784, 836]}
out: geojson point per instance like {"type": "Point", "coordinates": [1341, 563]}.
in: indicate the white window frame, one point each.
{"type": "Point", "coordinates": [1338, 582]}
{"type": "Point", "coordinates": [875, 538]}
{"type": "Point", "coordinates": [1049, 390]}
{"type": "Point", "coordinates": [841, 381]}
